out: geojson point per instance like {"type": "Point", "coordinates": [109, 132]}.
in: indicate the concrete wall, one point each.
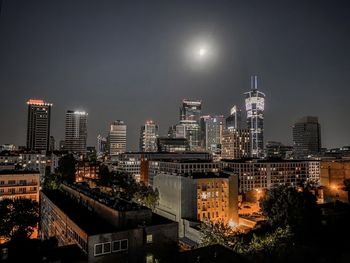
{"type": "Point", "coordinates": [177, 197]}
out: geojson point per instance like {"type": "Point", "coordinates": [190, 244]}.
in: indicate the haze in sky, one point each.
{"type": "Point", "coordinates": [136, 60]}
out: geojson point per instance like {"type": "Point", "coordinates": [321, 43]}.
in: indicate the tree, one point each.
{"type": "Point", "coordinates": [52, 181]}
{"type": "Point", "coordinates": [217, 233]}
{"type": "Point", "coordinates": [66, 167]}
{"type": "Point", "coordinates": [18, 217]}
{"type": "Point", "coordinates": [285, 205]}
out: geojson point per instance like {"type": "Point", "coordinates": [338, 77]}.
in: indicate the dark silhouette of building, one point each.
{"type": "Point", "coordinates": [306, 136]}
{"type": "Point", "coordinates": [38, 125]}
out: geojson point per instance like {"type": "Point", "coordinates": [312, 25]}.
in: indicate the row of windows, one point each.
{"type": "Point", "coordinates": [110, 247]}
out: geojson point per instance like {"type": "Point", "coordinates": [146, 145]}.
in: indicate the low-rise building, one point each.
{"type": "Point", "coordinates": [87, 172]}
{"type": "Point", "coordinates": [333, 173]}
{"type": "Point", "coordinates": [197, 196]}
{"type": "Point", "coordinates": [106, 229]}
{"type": "Point", "coordinates": [19, 184]}
{"type": "Point", "coordinates": [265, 174]}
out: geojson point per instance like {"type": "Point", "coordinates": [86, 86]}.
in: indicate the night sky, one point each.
{"type": "Point", "coordinates": [133, 60]}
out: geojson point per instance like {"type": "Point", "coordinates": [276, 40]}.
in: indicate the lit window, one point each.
{"type": "Point", "coordinates": [149, 238]}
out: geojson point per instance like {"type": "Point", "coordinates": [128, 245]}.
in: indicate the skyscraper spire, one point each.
{"type": "Point", "coordinates": [254, 82]}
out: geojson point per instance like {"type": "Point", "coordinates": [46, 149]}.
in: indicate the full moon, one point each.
{"type": "Point", "coordinates": [202, 52]}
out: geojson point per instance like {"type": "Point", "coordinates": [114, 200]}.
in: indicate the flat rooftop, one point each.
{"type": "Point", "coordinates": [18, 172]}
{"type": "Point", "coordinates": [112, 202]}
{"type": "Point", "coordinates": [272, 160]}
{"type": "Point", "coordinates": [209, 175]}
{"type": "Point", "coordinates": [88, 221]}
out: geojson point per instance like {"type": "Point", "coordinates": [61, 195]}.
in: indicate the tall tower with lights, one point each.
{"type": "Point", "coordinates": [255, 104]}
{"type": "Point", "coordinates": [76, 131]}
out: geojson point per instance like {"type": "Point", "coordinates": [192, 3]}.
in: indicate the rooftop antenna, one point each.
{"type": "Point", "coordinates": [254, 82]}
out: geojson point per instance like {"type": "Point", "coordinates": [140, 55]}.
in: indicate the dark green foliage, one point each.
{"type": "Point", "coordinates": [285, 206]}
{"type": "Point", "coordinates": [18, 217]}
{"type": "Point", "coordinates": [125, 186]}
{"type": "Point", "coordinates": [66, 167]}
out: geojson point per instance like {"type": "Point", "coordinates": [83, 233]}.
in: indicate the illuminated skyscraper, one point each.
{"type": "Point", "coordinates": [211, 130]}
{"type": "Point", "coordinates": [38, 125]}
{"type": "Point", "coordinates": [189, 128]}
{"type": "Point", "coordinates": [148, 137]}
{"type": "Point", "coordinates": [76, 132]}
{"type": "Point", "coordinates": [235, 144]}
{"type": "Point", "coordinates": [117, 138]}
{"type": "Point", "coordinates": [101, 145]}
{"type": "Point", "coordinates": [254, 103]}
{"type": "Point", "coordinates": [190, 110]}
{"type": "Point", "coordinates": [235, 120]}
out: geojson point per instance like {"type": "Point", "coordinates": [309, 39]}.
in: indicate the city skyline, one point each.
{"type": "Point", "coordinates": [301, 63]}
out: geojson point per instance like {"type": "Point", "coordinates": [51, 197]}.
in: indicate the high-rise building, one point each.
{"type": "Point", "coordinates": [101, 145]}
{"type": "Point", "coordinates": [117, 138]}
{"type": "Point", "coordinates": [52, 144]}
{"type": "Point", "coordinates": [306, 136]}
{"type": "Point", "coordinates": [254, 104]}
{"type": "Point", "coordinates": [235, 144]}
{"type": "Point", "coordinates": [211, 132]}
{"type": "Point", "coordinates": [190, 110]}
{"type": "Point", "coordinates": [76, 132]}
{"type": "Point", "coordinates": [148, 137]}
{"type": "Point", "coordinates": [190, 130]}
{"type": "Point", "coordinates": [235, 119]}
{"type": "Point", "coordinates": [278, 150]}
{"type": "Point", "coordinates": [38, 126]}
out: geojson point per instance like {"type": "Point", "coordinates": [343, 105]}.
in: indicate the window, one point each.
{"type": "Point", "coordinates": [149, 238]}
{"type": "Point", "coordinates": [124, 244]}
{"type": "Point", "coordinates": [98, 249]}
{"type": "Point", "coordinates": [107, 247]}
{"type": "Point", "coordinates": [116, 246]}
{"type": "Point", "coordinates": [102, 248]}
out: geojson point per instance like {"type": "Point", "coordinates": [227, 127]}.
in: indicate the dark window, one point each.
{"type": "Point", "coordinates": [98, 249]}
{"type": "Point", "coordinates": [124, 244]}
{"type": "Point", "coordinates": [116, 246]}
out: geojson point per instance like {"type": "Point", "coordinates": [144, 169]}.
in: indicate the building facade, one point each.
{"type": "Point", "coordinates": [235, 119]}
{"type": "Point", "coordinates": [211, 132]}
{"type": "Point", "coordinates": [197, 196]}
{"type": "Point", "coordinates": [306, 136]}
{"type": "Point", "coordinates": [117, 138]}
{"type": "Point", "coordinates": [264, 174]}
{"type": "Point", "coordinates": [38, 124]}
{"type": "Point", "coordinates": [190, 110]}
{"type": "Point", "coordinates": [19, 184]}
{"type": "Point", "coordinates": [190, 130]}
{"type": "Point", "coordinates": [105, 230]}
{"type": "Point", "coordinates": [148, 137]}
{"type": "Point", "coordinates": [255, 104]}
{"type": "Point", "coordinates": [87, 172]}
{"type": "Point", "coordinates": [166, 144]}
{"type": "Point", "coordinates": [235, 144]}
{"type": "Point", "coordinates": [76, 132]}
